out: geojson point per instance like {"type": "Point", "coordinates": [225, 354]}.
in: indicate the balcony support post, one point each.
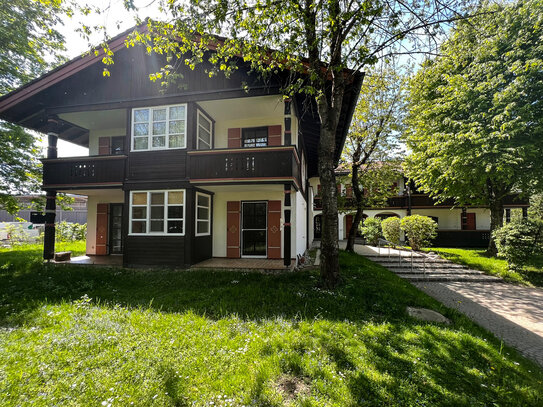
{"type": "Point", "coordinates": [50, 204]}
{"type": "Point", "coordinates": [286, 229]}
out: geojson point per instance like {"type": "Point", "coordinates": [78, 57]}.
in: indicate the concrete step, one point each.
{"type": "Point", "coordinates": [430, 277]}
{"type": "Point", "coordinates": [405, 264]}
{"type": "Point", "coordinates": [407, 270]}
{"type": "Point", "coordinates": [408, 258]}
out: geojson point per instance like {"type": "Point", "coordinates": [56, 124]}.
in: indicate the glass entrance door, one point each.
{"type": "Point", "coordinates": [116, 228]}
{"type": "Point", "coordinates": [254, 221]}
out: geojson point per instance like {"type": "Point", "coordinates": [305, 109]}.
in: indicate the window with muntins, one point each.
{"type": "Point", "coordinates": [203, 214]}
{"type": "Point", "coordinates": [255, 137]}
{"type": "Point", "coordinates": [159, 128]}
{"type": "Point", "coordinates": [157, 212]}
{"type": "Point", "coordinates": [204, 133]}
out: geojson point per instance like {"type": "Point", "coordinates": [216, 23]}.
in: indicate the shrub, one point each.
{"type": "Point", "coordinates": [391, 229]}
{"type": "Point", "coordinates": [419, 230]}
{"type": "Point", "coordinates": [16, 235]}
{"type": "Point", "coordinates": [372, 230]}
{"type": "Point", "coordinates": [70, 232]}
{"type": "Point", "coordinates": [518, 240]}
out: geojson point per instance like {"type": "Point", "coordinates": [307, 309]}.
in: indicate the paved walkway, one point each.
{"type": "Point", "coordinates": [512, 313]}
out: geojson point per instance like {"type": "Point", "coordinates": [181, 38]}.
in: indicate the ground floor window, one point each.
{"type": "Point", "coordinates": [203, 214]}
{"type": "Point", "coordinates": [157, 212]}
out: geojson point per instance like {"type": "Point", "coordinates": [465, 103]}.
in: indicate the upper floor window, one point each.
{"type": "Point", "coordinates": [255, 137]}
{"type": "Point", "coordinates": [204, 132]}
{"type": "Point", "coordinates": [158, 128]}
{"type": "Point", "coordinates": [157, 212]}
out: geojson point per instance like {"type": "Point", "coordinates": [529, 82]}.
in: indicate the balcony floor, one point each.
{"type": "Point", "coordinates": [243, 264]}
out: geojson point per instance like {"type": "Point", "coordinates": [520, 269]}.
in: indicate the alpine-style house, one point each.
{"type": "Point", "coordinates": [205, 169]}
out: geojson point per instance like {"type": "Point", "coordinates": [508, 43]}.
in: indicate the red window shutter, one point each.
{"type": "Point", "coordinates": [234, 138]}
{"type": "Point", "coordinates": [349, 191]}
{"type": "Point", "coordinates": [319, 190]}
{"type": "Point", "coordinates": [104, 146]}
{"type": "Point", "coordinates": [101, 229]}
{"type": "Point", "coordinates": [339, 189]}
{"type": "Point", "coordinates": [274, 229]}
{"type": "Point", "coordinates": [348, 225]}
{"type": "Point", "coordinates": [233, 229]}
{"type": "Point", "coordinates": [274, 135]}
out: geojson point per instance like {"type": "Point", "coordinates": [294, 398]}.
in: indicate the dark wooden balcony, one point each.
{"type": "Point", "coordinates": [84, 172]}
{"type": "Point", "coordinates": [241, 164]}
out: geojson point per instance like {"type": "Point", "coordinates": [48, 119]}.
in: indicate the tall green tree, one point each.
{"type": "Point", "coordinates": [371, 149]}
{"type": "Point", "coordinates": [317, 41]}
{"type": "Point", "coordinates": [29, 46]}
{"type": "Point", "coordinates": [475, 126]}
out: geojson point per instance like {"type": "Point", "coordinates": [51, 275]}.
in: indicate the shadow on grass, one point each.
{"type": "Point", "coordinates": [26, 283]}
{"type": "Point", "coordinates": [360, 331]}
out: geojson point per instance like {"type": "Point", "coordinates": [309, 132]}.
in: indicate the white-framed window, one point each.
{"type": "Point", "coordinates": [157, 212]}
{"type": "Point", "coordinates": [203, 214]}
{"type": "Point", "coordinates": [204, 132]}
{"type": "Point", "coordinates": [159, 127]}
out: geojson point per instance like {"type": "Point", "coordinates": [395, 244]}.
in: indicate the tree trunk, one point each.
{"type": "Point", "coordinates": [354, 228]}
{"type": "Point", "coordinates": [355, 186]}
{"type": "Point", "coordinates": [496, 221]}
{"type": "Point", "coordinates": [329, 237]}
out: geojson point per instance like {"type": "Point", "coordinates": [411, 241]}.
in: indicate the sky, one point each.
{"type": "Point", "coordinates": [116, 19]}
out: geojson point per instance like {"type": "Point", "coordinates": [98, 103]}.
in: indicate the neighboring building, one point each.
{"type": "Point", "coordinates": [177, 177]}
{"type": "Point", "coordinates": [78, 214]}
{"type": "Point", "coordinates": [457, 227]}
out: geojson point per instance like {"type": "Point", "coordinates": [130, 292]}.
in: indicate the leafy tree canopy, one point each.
{"type": "Point", "coordinates": [29, 46]}
{"type": "Point", "coordinates": [371, 150]}
{"type": "Point", "coordinates": [475, 126]}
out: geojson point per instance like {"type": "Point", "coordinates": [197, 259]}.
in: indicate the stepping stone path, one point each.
{"type": "Point", "coordinates": [431, 268]}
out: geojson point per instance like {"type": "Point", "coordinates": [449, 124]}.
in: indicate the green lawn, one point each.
{"type": "Point", "coordinates": [477, 259]}
{"type": "Point", "coordinates": [84, 336]}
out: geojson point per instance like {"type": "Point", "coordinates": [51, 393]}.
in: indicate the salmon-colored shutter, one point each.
{"type": "Point", "coordinates": [319, 190]}
{"type": "Point", "coordinates": [234, 138]}
{"type": "Point", "coordinates": [348, 224]}
{"type": "Point", "coordinates": [274, 135]}
{"type": "Point", "coordinates": [339, 189]}
{"type": "Point", "coordinates": [104, 146]}
{"type": "Point", "coordinates": [232, 229]}
{"type": "Point", "coordinates": [101, 229]}
{"type": "Point", "coordinates": [349, 191]}
{"type": "Point", "coordinates": [470, 222]}
{"type": "Point", "coordinates": [274, 229]}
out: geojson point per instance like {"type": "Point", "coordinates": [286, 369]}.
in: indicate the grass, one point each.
{"type": "Point", "coordinates": [479, 260]}
{"type": "Point", "coordinates": [88, 336]}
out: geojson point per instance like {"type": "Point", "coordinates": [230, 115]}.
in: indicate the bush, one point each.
{"type": "Point", "coordinates": [419, 230]}
{"type": "Point", "coordinates": [70, 232]}
{"type": "Point", "coordinates": [372, 230]}
{"type": "Point", "coordinates": [391, 229]}
{"type": "Point", "coordinates": [518, 240]}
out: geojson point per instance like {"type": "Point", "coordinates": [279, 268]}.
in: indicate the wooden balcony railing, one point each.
{"type": "Point", "coordinates": [244, 164]}
{"type": "Point", "coordinates": [83, 172]}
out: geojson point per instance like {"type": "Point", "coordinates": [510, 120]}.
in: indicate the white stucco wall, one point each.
{"type": "Point", "coordinates": [300, 221]}
{"type": "Point", "coordinates": [100, 196]}
{"type": "Point", "coordinates": [248, 112]}
{"type": "Point", "coordinates": [451, 218]}
{"type": "Point", "coordinates": [223, 194]}
{"type": "Point", "coordinates": [94, 135]}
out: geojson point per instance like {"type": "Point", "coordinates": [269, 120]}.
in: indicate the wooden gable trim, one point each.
{"type": "Point", "coordinates": [62, 72]}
